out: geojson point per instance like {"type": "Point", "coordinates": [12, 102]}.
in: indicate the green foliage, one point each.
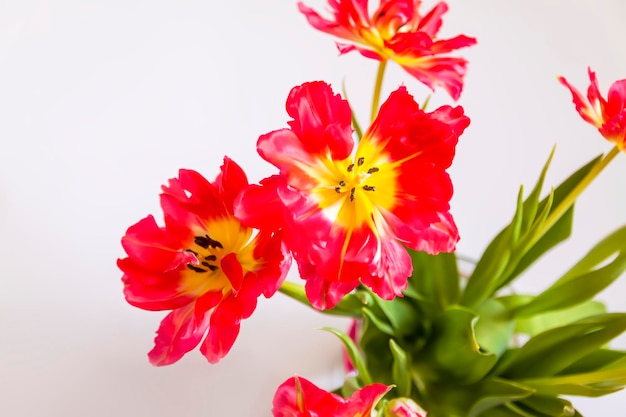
{"type": "Point", "coordinates": [462, 349]}
{"type": "Point", "coordinates": [537, 227]}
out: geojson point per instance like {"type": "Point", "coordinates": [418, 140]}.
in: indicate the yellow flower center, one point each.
{"type": "Point", "coordinates": [218, 239]}
{"type": "Point", "coordinates": [352, 191]}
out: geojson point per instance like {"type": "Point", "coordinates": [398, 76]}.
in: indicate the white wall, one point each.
{"type": "Point", "coordinates": [102, 102]}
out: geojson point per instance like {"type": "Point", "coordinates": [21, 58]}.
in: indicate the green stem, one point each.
{"type": "Point", "coordinates": [295, 291]}
{"type": "Point", "coordinates": [570, 199]}
{"type": "Point", "coordinates": [348, 307]}
{"type": "Point", "coordinates": [377, 87]}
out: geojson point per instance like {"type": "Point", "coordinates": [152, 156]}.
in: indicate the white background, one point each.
{"type": "Point", "coordinates": [102, 102]}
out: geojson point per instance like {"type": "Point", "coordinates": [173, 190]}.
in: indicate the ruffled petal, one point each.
{"type": "Point", "coordinates": [298, 397]}
{"type": "Point", "coordinates": [362, 402]}
{"type": "Point", "coordinates": [234, 272]}
{"type": "Point", "coordinates": [187, 202]}
{"type": "Point", "coordinates": [322, 120]}
{"type": "Point", "coordinates": [322, 293]}
{"type": "Point", "coordinates": [388, 277]}
{"type": "Point", "coordinates": [230, 181]}
{"type": "Point", "coordinates": [431, 22]}
{"type": "Point", "coordinates": [397, 31]}
{"type": "Point", "coordinates": [223, 330]}
{"type": "Point", "coordinates": [180, 332]}
{"type": "Point", "coordinates": [153, 248]}
{"type": "Point", "coordinates": [583, 107]}
{"type": "Point", "coordinates": [151, 290]}
{"type": "Point", "coordinates": [271, 273]}
{"type": "Point", "coordinates": [260, 206]}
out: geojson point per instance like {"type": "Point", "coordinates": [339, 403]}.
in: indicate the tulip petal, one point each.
{"type": "Point", "coordinates": [179, 333]}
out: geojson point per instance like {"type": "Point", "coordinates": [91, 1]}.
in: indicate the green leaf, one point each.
{"type": "Point", "coordinates": [596, 360]}
{"type": "Point", "coordinates": [550, 352]}
{"type": "Point", "coordinates": [506, 410]}
{"type": "Point", "coordinates": [559, 232]}
{"type": "Point", "coordinates": [483, 280]}
{"type": "Point", "coordinates": [400, 313]}
{"type": "Point", "coordinates": [608, 379]}
{"type": "Point", "coordinates": [354, 354]}
{"type": "Point", "coordinates": [576, 290]}
{"type": "Point", "coordinates": [350, 385]}
{"type": "Point", "coordinates": [452, 352]}
{"type": "Point", "coordinates": [381, 325]}
{"type": "Point", "coordinates": [611, 245]}
{"type": "Point", "coordinates": [494, 391]}
{"type": "Point", "coordinates": [514, 249]}
{"type": "Point", "coordinates": [542, 322]}
{"type": "Point", "coordinates": [547, 238]}
{"type": "Point", "coordinates": [548, 406]}
{"type": "Point", "coordinates": [474, 400]}
{"type": "Point", "coordinates": [586, 279]}
{"type": "Point", "coordinates": [531, 204]}
{"type": "Point", "coordinates": [400, 369]}
{"type": "Point", "coordinates": [435, 279]}
{"type": "Point", "coordinates": [494, 327]}
{"type": "Point", "coordinates": [375, 347]}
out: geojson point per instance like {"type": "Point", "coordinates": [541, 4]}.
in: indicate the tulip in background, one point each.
{"type": "Point", "coordinates": [365, 215]}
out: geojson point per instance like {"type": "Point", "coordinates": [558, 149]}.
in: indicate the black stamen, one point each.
{"type": "Point", "coordinates": [350, 167]}
{"type": "Point", "coordinates": [338, 190]}
{"type": "Point", "coordinates": [205, 241]}
{"type": "Point", "coordinates": [195, 268]}
{"type": "Point", "coordinates": [372, 170]}
{"type": "Point", "coordinates": [342, 183]}
{"type": "Point", "coordinates": [211, 258]}
{"type": "Point", "coordinates": [369, 188]}
{"type": "Point", "coordinates": [211, 267]}
{"type": "Point", "coordinates": [192, 251]}
{"type": "Point", "coordinates": [360, 161]}
{"type": "Point", "coordinates": [352, 191]}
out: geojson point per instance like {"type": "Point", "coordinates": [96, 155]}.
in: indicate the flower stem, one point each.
{"type": "Point", "coordinates": [377, 87]}
{"type": "Point", "coordinates": [295, 291]}
{"type": "Point", "coordinates": [348, 307]}
{"type": "Point", "coordinates": [571, 197]}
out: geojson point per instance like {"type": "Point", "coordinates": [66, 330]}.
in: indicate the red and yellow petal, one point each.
{"type": "Point", "coordinates": [397, 31]}
{"type": "Point", "coordinates": [204, 265]}
{"type": "Point", "coordinates": [151, 290]}
{"type": "Point", "coordinates": [180, 332]}
{"type": "Point", "coordinates": [344, 217]}
{"type": "Point", "coordinates": [608, 116]}
{"type": "Point", "coordinates": [298, 397]}
{"type": "Point", "coordinates": [153, 248]}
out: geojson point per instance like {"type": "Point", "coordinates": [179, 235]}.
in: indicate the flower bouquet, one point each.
{"type": "Point", "coordinates": [363, 211]}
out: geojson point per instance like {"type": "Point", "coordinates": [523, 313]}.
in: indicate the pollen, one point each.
{"type": "Point", "coordinates": [354, 178]}
{"type": "Point", "coordinates": [204, 254]}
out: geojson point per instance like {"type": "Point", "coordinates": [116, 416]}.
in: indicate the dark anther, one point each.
{"type": "Point", "coordinates": [342, 183]}
{"type": "Point", "coordinates": [360, 161]}
{"type": "Point", "coordinates": [369, 188]}
{"type": "Point", "coordinates": [192, 251]}
{"type": "Point", "coordinates": [350, 167]}
{"type": "Point", "coordinates": [205, 241]}
{"type": "Point", "coordinates": [211, 267]}
{"type": "Point", "coordinates": [338, 190]}
{"type": "Point", "coordinates": [352, 191]}
{"type": "Point", "coordinates": [372, 170]}
{"type": "Point", "coordinates": [195, 268]}
{"type": "Point", "coordinates": [211, 258]}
